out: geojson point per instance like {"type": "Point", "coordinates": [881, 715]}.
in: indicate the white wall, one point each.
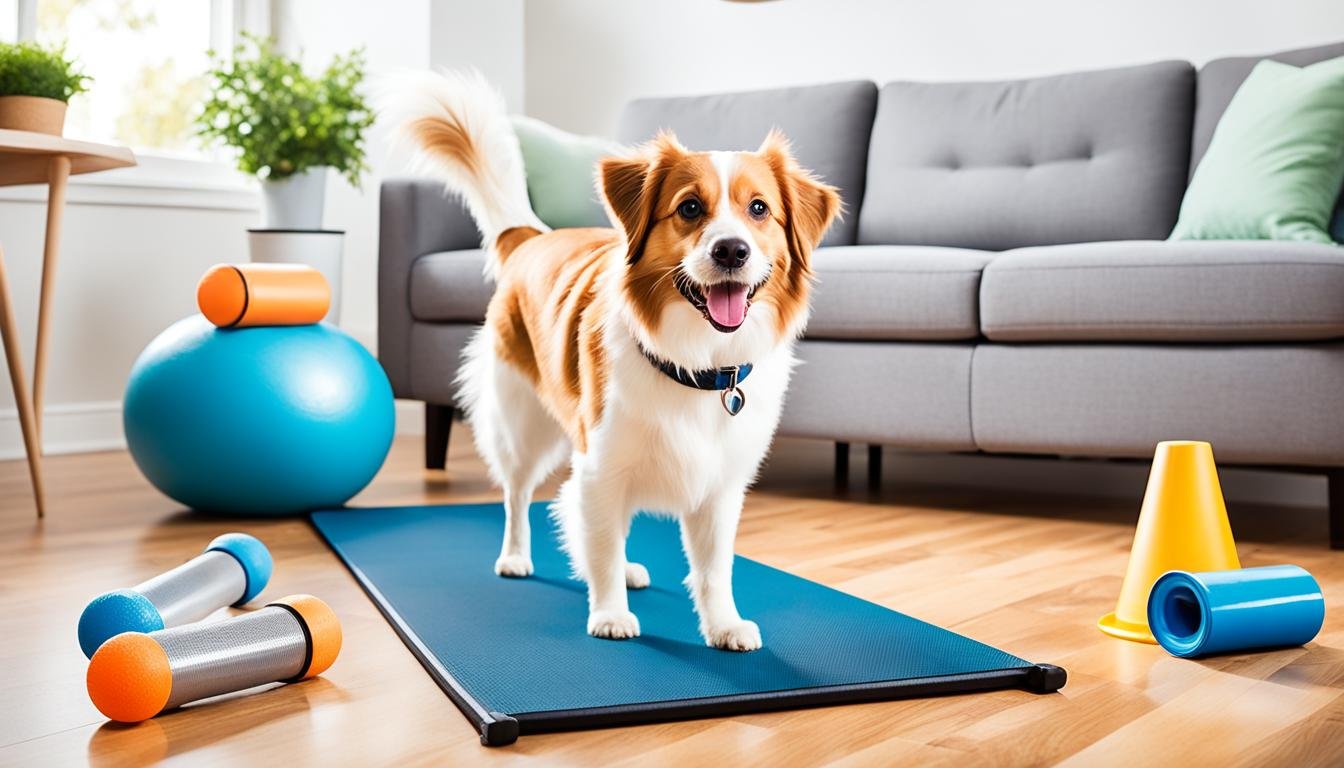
{"type": "Point", "coordinates": [585, 58]}
{"type": "Point", "coordinates": [484, 35]}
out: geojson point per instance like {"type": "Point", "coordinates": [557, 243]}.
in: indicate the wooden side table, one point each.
{"type": "Point", "coordinates": [37, 158]}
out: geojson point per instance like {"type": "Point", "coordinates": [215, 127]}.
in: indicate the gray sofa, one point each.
{"type": "Point", "coordinates": [1000, 283]}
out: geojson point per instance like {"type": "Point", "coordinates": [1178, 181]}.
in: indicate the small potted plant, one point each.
{"type": "Point", "coordinates": [35, 85]}
{"type": "Point", "coordinates": [287, 126]}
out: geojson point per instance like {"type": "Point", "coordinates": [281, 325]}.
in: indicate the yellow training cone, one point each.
{"type": "Point", "coordinates": [1182, 526]}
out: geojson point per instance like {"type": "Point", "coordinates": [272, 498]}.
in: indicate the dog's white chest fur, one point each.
{"type": "Point", "coordinates": [680, 443]}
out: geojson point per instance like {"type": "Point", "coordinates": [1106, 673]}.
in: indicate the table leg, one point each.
{"type": "Point", "coordinates": [9, 332]}
{"type": "Point", "coordinates": [58, 170]}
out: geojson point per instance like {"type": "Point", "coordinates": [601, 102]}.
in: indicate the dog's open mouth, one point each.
{"type": "Point", "coordinates": [724, 305]}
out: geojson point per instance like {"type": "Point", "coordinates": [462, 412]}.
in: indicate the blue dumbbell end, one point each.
{"type": "Point", "coordinates": [110, 614]}
{"type": "Point", "coordinates": [252, 555]}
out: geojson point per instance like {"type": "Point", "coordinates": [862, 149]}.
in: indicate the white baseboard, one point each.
{"type": "Point", "coordinates": [410, 417]}
{"type": "Point", "coordinates": [67, 428]}
{"type": "Point", "coordinates": [96, 426]}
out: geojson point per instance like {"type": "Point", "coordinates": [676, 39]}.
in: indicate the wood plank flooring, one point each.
{"type": "Point", "coordinates": [1030, 574]}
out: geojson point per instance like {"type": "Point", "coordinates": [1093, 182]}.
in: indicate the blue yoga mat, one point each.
{"type": "Point", "coordinates": [514, 656]}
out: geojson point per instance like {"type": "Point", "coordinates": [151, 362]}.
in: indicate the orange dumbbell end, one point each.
{"type": "Point", "coordinates": [324, 629]}
{"type": "Point", "coordinates": [129, 678]}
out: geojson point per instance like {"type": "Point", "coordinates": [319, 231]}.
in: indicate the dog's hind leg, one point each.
{"type": "Point", "coordinates": [636, 575]}
{"type": "Point", "coordinates": [520, 443]}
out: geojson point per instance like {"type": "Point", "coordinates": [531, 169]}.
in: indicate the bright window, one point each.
{"type": "Point", "coordinates": [148, 60]}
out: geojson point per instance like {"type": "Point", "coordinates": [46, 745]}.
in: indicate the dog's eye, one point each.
{"type": "Point", "coordinates": [758, 209]}
{"type": "Point", "coordinates": [690, 209]}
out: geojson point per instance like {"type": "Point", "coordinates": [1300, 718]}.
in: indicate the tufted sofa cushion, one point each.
{"type": "Point", "coordinates": [1071, 158]}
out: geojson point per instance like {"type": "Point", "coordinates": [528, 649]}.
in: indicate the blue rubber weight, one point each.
{"type": "Point", "coordinates": [1196, 614]}
{"type": "Point", "coordinates": [252, 555]}
{"type": "Point", "coordinates": [110, 614]}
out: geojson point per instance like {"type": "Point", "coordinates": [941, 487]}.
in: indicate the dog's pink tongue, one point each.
{"type": "Point", "coordinates": [727, 303]}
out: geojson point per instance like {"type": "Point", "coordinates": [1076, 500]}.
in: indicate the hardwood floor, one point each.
{"type": "Point", "coordinates": [1028, 574]}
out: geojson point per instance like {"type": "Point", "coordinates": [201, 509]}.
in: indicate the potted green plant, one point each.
{"type": "Point", "coordinates": [35, 85]}
{"type": "Point", "coordinates": [288, 127]}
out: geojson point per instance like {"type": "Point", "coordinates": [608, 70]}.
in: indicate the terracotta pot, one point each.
{"type": "Point", "coordinates": [32, 113]}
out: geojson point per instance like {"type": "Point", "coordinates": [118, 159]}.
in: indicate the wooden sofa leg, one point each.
{"type": "Point", "coordinates": [841, 465]}
{"type": "Point", "coordinates": [874, 467]}
{"type": "Point", "coordinates": [1335, 483]}
{"type": "Point", "coordinates": [438, 425]}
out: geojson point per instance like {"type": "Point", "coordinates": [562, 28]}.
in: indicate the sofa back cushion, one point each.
{"type": "Point", "coordinates": [1220, 79]}
{"type": "Point", "coordinates": [828, 125]}
{"type": "Point", "coordinates": [1070, 158]}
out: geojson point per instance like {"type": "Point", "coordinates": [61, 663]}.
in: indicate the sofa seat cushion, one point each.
{"type": "Point", "coordinates": [894, 292]}
{"type": "Point", "coordinates": [450, 287]}
{"type": "Point", "coordinates": [1192, 291]}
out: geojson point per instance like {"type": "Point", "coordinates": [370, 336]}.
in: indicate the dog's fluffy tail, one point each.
{"type": "Point", "coordinates": [460, 127]}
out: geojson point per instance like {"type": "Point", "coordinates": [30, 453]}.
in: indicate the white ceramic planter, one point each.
{"type": "Point", "coordinates": [318, 248]}
{"type": "Point", "coordinates": [296, 202]}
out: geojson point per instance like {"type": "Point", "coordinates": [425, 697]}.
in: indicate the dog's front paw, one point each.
{"type": "Point", "coordinates": [636, 576]}
{"type": "Point", "coordinates": [513, 566]}
{"type": "Point", "coordinates": [613, 625]}
{"type": "Point", "coordinates": [740, 635]}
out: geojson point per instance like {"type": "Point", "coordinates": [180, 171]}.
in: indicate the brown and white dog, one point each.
{"type": "Point", "coordinates": [627, 349]}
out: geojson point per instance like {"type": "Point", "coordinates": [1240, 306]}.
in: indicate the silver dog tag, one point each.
{"type": "Point", "coordinates": [732, 397]}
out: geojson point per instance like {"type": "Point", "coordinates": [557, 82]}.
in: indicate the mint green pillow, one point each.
{"type": "Point", "coordinates": [561, 172]}
{"type": "Point", "coordinates": [1275, 165]}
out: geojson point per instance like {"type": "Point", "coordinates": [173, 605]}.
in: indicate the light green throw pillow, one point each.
{"type": "Point", "coordinates": [1275, 165]}
{"type": "Point", "coordinates": [561, 170]}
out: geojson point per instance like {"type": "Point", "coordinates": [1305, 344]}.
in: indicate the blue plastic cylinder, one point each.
{"type": "Point", "coordinates": [1196, 614]}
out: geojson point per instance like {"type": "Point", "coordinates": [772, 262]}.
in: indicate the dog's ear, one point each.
{"type": "Point", "coordinates": [629, 185]}
{"type": "Point", "coordinates": [809, 205]}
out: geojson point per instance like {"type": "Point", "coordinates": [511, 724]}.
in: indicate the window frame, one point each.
{"type": "Point", "coordinates": [164, 179]}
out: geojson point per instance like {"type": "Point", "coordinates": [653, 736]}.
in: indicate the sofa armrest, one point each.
{"type": "Point", "coordinates": [416, 218]}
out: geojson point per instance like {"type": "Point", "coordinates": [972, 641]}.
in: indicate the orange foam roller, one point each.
{"type": "Point", "coordinates": [242, 295]}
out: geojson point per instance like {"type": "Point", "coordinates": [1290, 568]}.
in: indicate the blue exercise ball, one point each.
{"type": "Point", "coordinates": [258, 421]}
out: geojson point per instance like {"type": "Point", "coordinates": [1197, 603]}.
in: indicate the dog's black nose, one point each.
{"type": "Point", "coordinates": [730, 252]}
